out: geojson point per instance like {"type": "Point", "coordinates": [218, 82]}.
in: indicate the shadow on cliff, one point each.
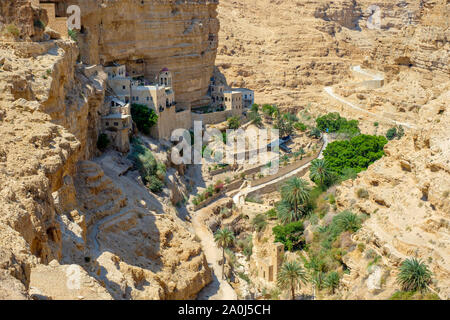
{"type": "Point", "coordinates": [210, 290]}
{"type": "Point", "coordinates": [194, 172]}
{"type": "Point", "coordinates": [136, 240]}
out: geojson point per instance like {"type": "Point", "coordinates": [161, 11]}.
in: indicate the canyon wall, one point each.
{"type": "Point", "coordinates": [25, 19]}
{"type": "Point", "coordinates": [50, 107]}
{"type": "Point", "coordinates": [288, 51]}
{"type": "Point", "coordinates": [151, 35]}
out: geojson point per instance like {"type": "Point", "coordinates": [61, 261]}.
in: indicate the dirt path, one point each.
{"type": "Point", "coordinates": [330, 92]}
{"type": "Point", "coordinates": [219, 289]}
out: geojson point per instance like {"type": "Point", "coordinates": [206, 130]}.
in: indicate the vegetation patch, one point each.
{"type": "Point", "coordinates": [411, 295]}
{"type": "Point", "coordinates": [233, 123]}
{"type": "Point", "coordinates": [395, 133]}
{"type": "Point", "coordinates": [73, 34]}
{"type": "Point", "coordinates": [259, 222]}
{"type": "Point", "coordinates": [12, 30]}
{"type": "Point", "coordinates": [291, 235]}
{"type": "Point", "coordinates": [414, 275]}
{"type": "Point", "coordinates": [355, 154]}
{"type": "Point", "coordinates": [152, 172]}
{"type": "Point", "coordinates": [333, 122]}
{"type": "Point", "coordinates": [269, 110]}
{"type": "Point", "coordinates": [300, 126]}
{"type": "Point", "coordinates": [210, 191]}
{"type": "Point", "coordinates": [144, 117]}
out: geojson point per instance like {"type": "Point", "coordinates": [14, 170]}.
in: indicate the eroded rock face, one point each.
{"type": "Point", "coordinates": [64, 282]}
{"type": "Point", "coordinates": [51, 198]}
{"type": "Point", "coordinates": [113, 232]}
{"type": "Point", "coordinates": [27, 20]}
{"type": "Point", "coordinates": [408, 203]}
{"type": "Point", "coordinates": [151, 35]}
{"type": "Point", "coordinates": [157, 258]}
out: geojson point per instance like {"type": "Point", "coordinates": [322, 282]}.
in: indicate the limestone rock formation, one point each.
{"type": "Point", "coordinates": [152, 35]}
{"type": "Point", "coordinates": [287, 51]}
{"type": "Point", "coordinates": [64, 282]}
{"type": "Point", "coordinates": [54, 203]}
{"type": "Point", "coordinates": [20, 20]}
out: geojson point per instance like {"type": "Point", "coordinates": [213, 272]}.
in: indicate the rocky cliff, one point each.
{"type": "Point", "coordinates": [54, 203]}
{"type": "Point", "coordinates": [289, 50]}
{"type": "Point", "coordinates": [152, 35]}
{"type": "Point", "coordinates": [306, 45]}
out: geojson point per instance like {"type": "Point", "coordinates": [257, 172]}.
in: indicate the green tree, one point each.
{"type": "Point", "coordinates": [295, 191]}
{"type": "Point", "coordinates": [154, 184]}
{"type": "Point", "coordinates": [414, 275]}
{"type": "Point", "coordinates": [224, 238]}
{"type": "Point", "coordinates": [285, 123]}
{"type": "Point", "coordinates": [233, 123]}
{"type": "Point", "coordinates": [332, 281]}
{"type": "Point", "coordinates": [73, 34]}
{"type": "Point", "coordinates": [391, 133]}
{"type": "Point", "coordinates": [285, 213]}
{"type": "Point", "coordinates": [395, 132]}
{"type": "Point", "coordinates": [299, 154]}
{"type": "Point", "coordinates": [333, 122]}
{"type": "Point", "coordinates": [151, 171]}
{"type": "Point", "coordinates": [315, 133]}
{"type": "Point", "coordinates": [347, 221]}
{"type": "Point", "coordinates": [319, 171]}
{"type": "Point", "coordinates": [317, 279]}
{"type": "Point", "coordinates": [255, 117]}
{"type": "Point", "coordinates": [291, 276]}
{"type": "Point", "coordinates": [357, 153]}
{"type": "Point", "coordinates": [144, 117]}
{"type": "Point", "coordinates": [255, 107]}
{"type": "Point", "coordinates": [269, 110]}
{"type": "Point", "coordinates": [291, 235]}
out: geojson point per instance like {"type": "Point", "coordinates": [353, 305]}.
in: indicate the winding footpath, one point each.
{"type": "Point", "coordinates": [218, 289]}
{"type": "Point", "coordinates": [330, 92]}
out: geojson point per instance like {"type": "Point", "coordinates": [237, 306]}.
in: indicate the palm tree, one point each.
{"type": "Point", "coordinates": [285, 213]}
{"type": "Point", "coordinates": [332, 281]}
{"type": "Point", "coordinates": [414, 275]}
{"type": "Point", "coordinates": [317, 279]}
{"type": "Point", "coordinates": [296, 192]}
{"type": "Point", "coordinates": [348, 221]}
{"type": "Point", "coordinates": [291, 275]}
{"type": "Point", "coordinates": [319, 171]}
{"type": "Point", "coordinates": [224, 238]}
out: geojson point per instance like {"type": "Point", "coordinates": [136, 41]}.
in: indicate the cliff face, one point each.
{"type": "Point", "coordinates": [152, 35]}
{"type": "Point", "coordinates": [36, 152]}
{"type": "Point", "coordinates": [49, 122]}
{"type": "Point", "coordinates": [306, 45]}
{"type": "Point", "coordinates": [21, 15]}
